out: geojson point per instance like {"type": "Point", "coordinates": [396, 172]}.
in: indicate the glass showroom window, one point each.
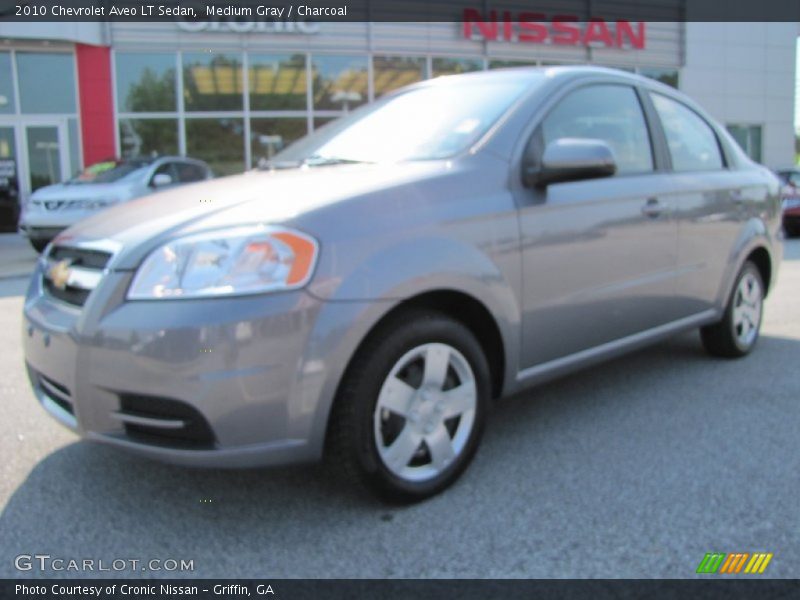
{"type": "Point", "coordinates": [219, 142]}
{"type": "Point", "coordinates": [454, 66]}
{"type": "Point", "coordinates": [74, 145]}
{"type": "Point", "coordinates": [277, 82]}
{"type": "Point", "coordinates": [6, 85]}
{"type": "Point", "coordinates": [339, 82]}
{"type": "Point", "coordinates": [502, 63]}
{"type": "Point", "coordinates": [393, 72]}
{"type": "Point", "coordinates": [213, 82]}
{"type": "Point", "coordinates": [320, 122]}
{"type": "Point", "coordinates": [749, 138]}
{"type": "Point", "coordinates": [145, 82]}
{"type": "Point", "coordinates": [270, 136]}
{"type": "Point", "coordinates": [46, 82]}
{"type": "Point", "coordinates": [142, 137]}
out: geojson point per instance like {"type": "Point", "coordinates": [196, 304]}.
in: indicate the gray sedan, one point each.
{"type": "Point", "coordinates": [369, 293]}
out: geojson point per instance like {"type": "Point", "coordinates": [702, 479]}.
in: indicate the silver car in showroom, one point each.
{"type": "Point", "coordinates": [366, 296]}
{"type": "Point", "coordinates": [53, 208]}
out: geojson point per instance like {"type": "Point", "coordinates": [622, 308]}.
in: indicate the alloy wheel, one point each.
{"type": "Point", "coordinates": [747, 309]}
{"type": "Point", "coordinates": [425, 412]}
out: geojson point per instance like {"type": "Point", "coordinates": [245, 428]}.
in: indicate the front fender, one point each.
{"type": "Point", "coordinates": [354, 305]}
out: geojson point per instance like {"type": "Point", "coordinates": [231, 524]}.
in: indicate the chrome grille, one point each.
{"type": "Point", "coordinates": [53, 205]}
{"type": "Point", "coordinates": [70, 274]}
{"type": "Point", "coordinates": [81, 257]}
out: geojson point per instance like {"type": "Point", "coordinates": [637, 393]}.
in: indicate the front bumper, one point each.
{"type": "Point", "coordinates": [39, 224]}
{"type": "Point", "coordinates": [210, 382]}
{"type": "Point", "coordinates": [39, 233]}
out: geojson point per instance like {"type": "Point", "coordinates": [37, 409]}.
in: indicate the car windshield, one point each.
{"type": "Point", "coordinates": [425, 123]}
{"type": "Point", "coordinates": [109, 171]}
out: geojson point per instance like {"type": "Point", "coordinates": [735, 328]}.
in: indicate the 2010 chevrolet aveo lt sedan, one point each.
{"type": "Point", "coordinates": [367, 294]}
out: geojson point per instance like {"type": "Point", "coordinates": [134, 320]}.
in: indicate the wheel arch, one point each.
{"type": "Point", "coordinates": [459, 305]}
{"type": "Point", "coordinates": [467, 310]}
{"type": "Point", "coordinates": [756, 244]}
{"type": "Point", "coordinates": [761, 258]}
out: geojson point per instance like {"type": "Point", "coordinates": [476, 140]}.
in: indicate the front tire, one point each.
{"type": "Point", "coordinates": [411, 410]}
{"type": "Point", "coordinates": [737, 333]}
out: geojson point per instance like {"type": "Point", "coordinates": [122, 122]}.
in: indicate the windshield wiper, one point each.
{"type": "Point", "coordinates": [268, 165]}
{"type": "Point", "coordinates": [315, 160]}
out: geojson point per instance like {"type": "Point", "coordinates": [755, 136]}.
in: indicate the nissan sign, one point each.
{"type": "Point", "coordinates": [563, 29]}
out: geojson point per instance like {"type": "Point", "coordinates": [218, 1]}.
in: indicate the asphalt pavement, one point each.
{"type": "Point", "coordinates": [634, 468]}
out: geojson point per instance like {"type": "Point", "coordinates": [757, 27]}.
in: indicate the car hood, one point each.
{"type": "Point", "coordinates": [273, 197]}
{"type": "Point", "coordinates": [80, 191]}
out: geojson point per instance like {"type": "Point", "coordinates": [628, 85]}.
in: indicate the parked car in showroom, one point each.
{"type": "Point", "coordinates": [369, 295]}
{"type": "Point", "coordinates": [53, 208]}
{"type": "Point", "coordinates": [790, 199]}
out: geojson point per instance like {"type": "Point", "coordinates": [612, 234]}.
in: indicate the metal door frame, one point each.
{"type": "Point", "coordinates": [20, 125]}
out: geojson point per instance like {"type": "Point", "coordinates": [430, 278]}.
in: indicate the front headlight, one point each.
{"type": "Point", "coordinates": [243, 260]}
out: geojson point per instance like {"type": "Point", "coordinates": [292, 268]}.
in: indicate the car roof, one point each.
{"type": "Point", "coordinates": [553, 73]}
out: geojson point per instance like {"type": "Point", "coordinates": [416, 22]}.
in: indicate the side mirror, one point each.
{"type": "Point", "coordinates": [570, 159]}
{"type": "Point", "coordinates": [161, 180]}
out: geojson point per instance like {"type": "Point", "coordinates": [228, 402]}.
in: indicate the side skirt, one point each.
{"type": "Point", "coordinates": [554, 368]}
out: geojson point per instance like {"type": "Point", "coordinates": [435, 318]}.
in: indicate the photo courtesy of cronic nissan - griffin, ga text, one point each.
{"type": "Point", "coordinates": [367, 294]}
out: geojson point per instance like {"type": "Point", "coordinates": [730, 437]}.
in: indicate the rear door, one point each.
{"type": "Point", "coordinates": [599, 255]}
{"type": "Point", "coordinates": [711, 202]}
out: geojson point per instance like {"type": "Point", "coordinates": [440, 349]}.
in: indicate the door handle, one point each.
{"type": "Point", "coordinates": [653, 208]}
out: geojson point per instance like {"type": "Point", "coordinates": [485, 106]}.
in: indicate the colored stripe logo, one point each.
{"type": "Point", "coordinates": [731, 564]}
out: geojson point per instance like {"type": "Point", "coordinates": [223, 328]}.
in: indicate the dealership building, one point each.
{"type": "Point", "coordinates": [232, 92]}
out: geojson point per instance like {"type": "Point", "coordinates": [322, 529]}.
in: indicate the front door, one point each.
{"type": "Point", "coordinates": [599, 256]}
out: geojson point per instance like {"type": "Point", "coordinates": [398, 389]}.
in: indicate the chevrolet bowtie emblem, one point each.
{"type": "Point", "coordinates": [59, 273]}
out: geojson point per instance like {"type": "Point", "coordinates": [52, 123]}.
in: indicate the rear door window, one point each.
{"type": "Point", "coordinates": [189, 172]}
{"type": "Point", "coordinates": [693, 145]}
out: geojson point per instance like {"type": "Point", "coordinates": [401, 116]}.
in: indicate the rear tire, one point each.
{"type": "Point", "coordinates": [393, 426]}
{"type": "Point", "coordinates": [737, 333]}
